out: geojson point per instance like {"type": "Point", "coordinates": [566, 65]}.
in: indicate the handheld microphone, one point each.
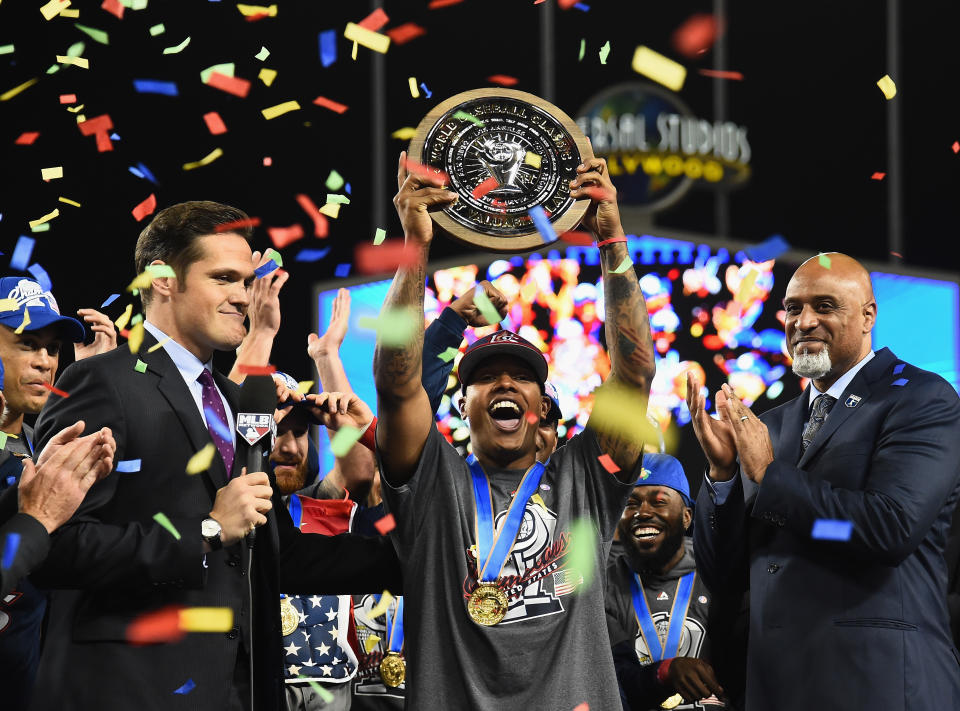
{"type": "Point", "coordinates": [255, 423]}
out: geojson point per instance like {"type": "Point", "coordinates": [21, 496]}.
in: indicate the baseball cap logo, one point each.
{"type": "Point", "coordinates": [504, 337]}
{"type": "Point", "coordinates": [30, 293]}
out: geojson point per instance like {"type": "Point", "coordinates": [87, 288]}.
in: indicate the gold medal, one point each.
{"type": "Point", "coordinates": [488, 604]}
{"type": "Point", "coordinates": [672, 702]}
{"type": "Point", "coordinates": [393, 670]}
{"type": "Point", "coordinates": [289, 617]}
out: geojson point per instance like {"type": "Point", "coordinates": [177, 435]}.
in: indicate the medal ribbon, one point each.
{"type": "Point", "coordinates": [681, 603]}
{"type": "Point", "coordinates": [295, 508]}
{"type": "Point", "coordinates": [395, 629]}
{"type": "Point", "coordinates": [493, 547]}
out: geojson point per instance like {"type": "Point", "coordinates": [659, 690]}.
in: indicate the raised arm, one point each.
{"type": "Point", "coordinates": [264, 313]}
{"type": "Point", "coordinates": [627, 326]}
{"type": "Point", "coordinates": [403, 407]}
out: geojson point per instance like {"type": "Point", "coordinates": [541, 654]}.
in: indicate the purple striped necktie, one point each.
{"type": "Point", "coordinates": [211, 401]}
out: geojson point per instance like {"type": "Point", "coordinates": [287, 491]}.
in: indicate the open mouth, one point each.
{"type": "Point", "coordinates": [645, 532]}
{"type": "Point", "coordinates": [506, 415]}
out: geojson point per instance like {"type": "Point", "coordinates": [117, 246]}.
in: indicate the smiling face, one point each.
{"type": "Point", "coordinates": [30, 359]}
{"type": "Point", "coordinates": [289, 455]}
{"type": "Point", "coordinates": [652, 527]}
{"type": "Point", "coordinates": [502, 389]}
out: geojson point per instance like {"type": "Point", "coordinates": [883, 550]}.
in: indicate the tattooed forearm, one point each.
{"type": "Point", "coordinates": [627, 324]}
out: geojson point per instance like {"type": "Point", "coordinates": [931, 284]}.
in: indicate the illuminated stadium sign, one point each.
{"type": "Point", "coordinates": [657, 149]}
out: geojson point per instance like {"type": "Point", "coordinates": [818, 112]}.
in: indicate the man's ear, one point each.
{"type": "Point", "coordinates": [461, 404]}
{"type": "Point", "coordinates": [545, 403]}
{"type": "Point", "coordinates": [869, 315]}
{"type": "Point", "coordinates": [163, 286]}
{"type": "Point", "coordinates": [687, 518]}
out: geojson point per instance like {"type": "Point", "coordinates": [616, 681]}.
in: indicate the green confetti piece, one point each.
{"type": "Point", "coordinates": [161, 270]}
{"type": "Point", "coordinates": [95, 34]}
{"type": "Point", "coordinates": [485, 306]}
{"type": "Point", "coordinates": [583, 551]}
{"type": "Point", "coordinates": [158, 29]}
{"type": "Point", "coordinates": [824, 261]}
{"type": "Point", "coordinates": [6, 49]}
{"type": "Point", "coordinates": [42, 227]}
{"type": "Point", "coordinates": [140, 366]}
{"type": "Point", "coordinates": [394, 327]}
{"type": "Point", "coordinates": [177, 48]}
{"type": "Point", "coordinates": [464, 116]}
{"type": "Point", "coordinates": [135, 4]}
{"type": "Point", "coordinates": [3, 440]}
{"type": "Point", "coordinates": [624, 266]}
{"type": "Point", "coordinates": [227, 69]}
{"type": "Point", "coordinates": [379, 236]}
{"type": "Point", "coordinates": [337, 198]}
{"type": "Point", "coordinates": [76, 49]}
{"type": "Point", "coordinates": [53, 69]}
{"type": "Point", "coordinates": [583, 49]}
{"type": "Point", "coordinates": [275, 256]}
{"type": "Point", "coordinates": [162, 519]}
{"type": "Point", "coordinates": [324, 695]}
{"type": "Point", "coordinates": [262, 54]}
{"type": "Point", "coordinates": [136, 319]}
{"type": "Point", "coordinates": [335, 181]}
{"type": "Point", "coordinates": [448, 355]}
{"type": "Point", "coordinates": [644, 473]}
{"type": "Point", "coordinates": [344, 440]}
{"type": "Point", "coordinates": [604, 52]}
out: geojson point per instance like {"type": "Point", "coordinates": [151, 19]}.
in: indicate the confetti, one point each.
{"type": "Point", "coordinates": [311, 255]}
{"type": "Point", "coordinates": [618, 411]}
{"type": "Point", "coordinates": [227, 69]}
{"type": "Point", "coordinates": [153, 86]}
{"type": "Point", "coordinates": [267, 76]}
{"type": "Point", "coordinates": [262, 54]}
{"type": "Point", "coordinates": [624, 266]}
{"type": "Point", "coordinates": [145, 208]}
{"type": "Point", "coordinates": [3, 444]}
{"type": "Point", "coordinates": [485, 306]}
{"type": "Point", "coordinates": [265, 269]}
{"type": "Point", "coordinates": [214, 123]}
{"type": "Point", "coordinates": [140, 366]}
{"type": "Point", "coordinates": [81, 62]}
{"type": "Point", "coordinates": [283, 236]}
{"type": "Point", "coordinates": [604, 52]}
{"type": "Point", "coordinates": [237, 224]}
{"type": "Point", "coordinates": [201, 461]}
{"type": "Point", "coordinates": [898, 368]}
{"type": "Point", "coordinates": [186, 688]}
{"type": "Point", "coordinates": [543, 224]}
{"type": "Point", "coordinates": [426, 90]}
{"type": "Point", "coordinates": [401, 34]}
{"type": "Point", "coordinates": [608, 463]}
{"type": "Point", "coordinates": [327, 41]}
{"type": "Point", "coordinates": [449, 354]}
{"type": "Point", "coordinates": [369, 39]}
{"type": "Point", "coordinates": [68, 201]}
{"type": "Point", "coordinates": [583, 49]}
{"type": "Point", "coordinates": [41, 276]}
{"type": "Point", "coordinates": [124, 318]}
{"type": "Point", "coordinates": [161, 625]}
{"type": "Point", "coordinates": [337, 199]}
{"type": "Point", "coordinates": [380, 236]}
{"type": "Point", "coordinates": [375, 20]}
{"type": "Point", "coordinates": [206, 619]}
{"type": "Point", "coordinates": [426, 170]}
{"type": "Point", "coordinates": [273, 254]}
{"type": "Point", "coordinates": [532, 159]}
{"type": "Point", "coordinates": [331, 209]}
{"type": "Point", "coordinates": [878, 176]}
{"type": "Point", "coordinates": [280, 109]}
{"type": "Point", "coordinates": [154, 347]}
{"type": "Point", "coordinates": [68, 98]}
{"type": "Point", "coordinates": [135, 337]}
{"type": "Point", "coordinates": [583, 551]}
{"type": "Point", "coordinates": [10, 545]}
{"type": "Point", "coordinates": [532, 418]}
{"type": "Point", "coordinates": [110, 299]}
{"type": "Point", "coordinates": [464, 116]}
{"type": "Point", "coordinates": [8, 305]}
{"type": "Point", "coordinates": [824, 260]}
{"type": "Point", "coordinates": [257, 369]}
{"type": "Point", "coordinates": [22, 252]}
{"type": "Point", "coordinates": [114, 7]}
{"type": "Point", "coordinates": [434, 4]}
{"type": "Point", "coordinates": [334, 181]}
{"type": "Point", "coordinates": [176, 49]}
{"type": "Point", "coordinates": [386, 257]}
{"type": "Point", "coordinates": [230, 84]}
{"type": "Point", "coordinates": [887, 86]}
{"type": "Point", "coordinates": [696, 35]}
{"type": "Point", "coordinates": [721, 74]}
{"type": "Point", "coordinates": [381, 607]}
{"type": "Point", "coordinates": [7, 49]}
{"type": "Point", "coordinates": [654, 65]}
{"type": "Point", "coordinates": [770, 248]}
{"type": "Point", "coordinates": [828, 529]}
{"type": "Point", "coordinates": [370, 642]}
{"type": "Point", "coordinates": [582, 707]}
{"type": "Point", "coordinates": [955, 146]}
{"type": "Point", "coordinates": [900, 382]}
{"type": "Point", "coordinates": [53, 8]}
{"type": "Point", "coordinates": [320, 225]}
{"type": "Point", "coordinates": [334, 106]}
{"type": "Point", "coordinates": [385, 524]}
{"type": "Point", "coordinates": [256, 10]}
{"type": "Point", "coordinates": [46, 218]}
{"type": "Point", "coordinates": [502, 80]}
{"type": "Point", "coordinates": [485, 187]}
{"type": "Point", "coordinates": [158, 29]}
{"type": "Point", "coordinates": [344, 440]}
{"type": "Point", "coordinates": [27, 138]}
{"type": "Point", "coordinates": [394, 327]}
{"type": "Point", "coordinates": [10, 93]}
{"type": "Point", "coordinates": [209, 158]}
{"type": "Point", "coordinates": [128, 466]}
{"type": "Point", "coordinates": [303, 387]}
{"type": "Point", "coordinates": [412, 83]}
{"type": "Point", "coordinates": [405, 133]}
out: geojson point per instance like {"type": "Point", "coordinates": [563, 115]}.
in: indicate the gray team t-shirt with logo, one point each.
{"type": "Point", "coordinates": [552, 650]}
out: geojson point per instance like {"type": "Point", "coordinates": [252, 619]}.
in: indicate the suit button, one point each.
{"type": "Point", "coordinates": [773, 568]}
{"type": "Point", "coordinates": [233, 634]}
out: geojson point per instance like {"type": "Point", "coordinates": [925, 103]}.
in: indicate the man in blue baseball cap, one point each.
{"type": "Point", "coordinates": [657, 607]}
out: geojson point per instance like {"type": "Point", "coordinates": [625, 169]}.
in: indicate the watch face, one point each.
{"type": "Point", "coordinates": [209, 528]}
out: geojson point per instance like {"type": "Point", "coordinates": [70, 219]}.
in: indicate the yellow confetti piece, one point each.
{"type": "Point", "coordinates": [202, 460]}
{"type": "Point", "coordinates": [8, 305]}
{"type": "Point", "coordinates": [343, 441]}
{"type": "Point", "coordinates": [280, 109]}
{"type": "Point", "coordinates": [353, 52]}
{"type": "Point", "coordinates": [124, 318]}
{"type": "Point", "coordinates": [212, 156]}
{"type": "Point", "coordinates": [331, 209]}
{"type": "Point", "coordinates": [654, 65]}
{"type": "Point", "coordinates": [206, 619]}
{"type": "Point", "coordinates": [25, 322]}
{"type": "Point", "coordinates": [619, 411]}
{"type": "Point", "coordinates": [176, 49]}
{"type": "Point", "coordinates": [141, 281]}
{"type": "Point", "coordinates": [404, 134]}
{"type": "Point", "coordinates": [379, 236]}
{"type": "Point", "coordinates": [538, 500]}
{"type": "Point", "coordinates": [249, 10]}
{"type": "Point", "coordinates": [46, 218]}
{"type": "Point", "coordinates": [10, 93]}
{"type": "Point", "coordinates": [69, 201]}
{"type": "Point", "coordinates": [414, 91]}
{"type": "Point", "coordinates": [370, 642]}
{"type": "Point", "coordinates": [368, 38]}
{"type": "Point", "coordinates": [51, 173]}
{"type": "Point", "coordinates": [532, 159]}
{"type": "Point", "coordinates": [158, 29]}
{"type": "Point", "coordinates": [624, 266]}
{"type": "Point", "coordinates": [267, 76]}
{"type": "Point", "coordinates": [394, 327]}
{"type": "Point", "coordinates": [53, 8]}
{"type": "Point", "coordinates": [72, 13]}
{"type": "Point", "coordinates": [303, 387]}
{"type": "Point", "coordinates": [75, 109]}
{"type": "Point", "coordinates": [262, 54]}
{"type": "Point", "coordinates": [81, 62]}
{"type": "Point", "coordinates": [155, 346]}
{"type": "Point", "coordinates": [746, 286]}
{"type": "Point", "coordinates": [887, 86]}
{"type": "Point", "coordinates": [135, 339]}
{"type": "Point", "coordinates": [381, 607]}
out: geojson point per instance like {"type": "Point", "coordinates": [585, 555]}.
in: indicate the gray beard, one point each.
{"type": "Point", "coordinates": [807, 365]}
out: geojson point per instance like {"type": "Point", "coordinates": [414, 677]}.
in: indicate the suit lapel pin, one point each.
{"type": "Point", "coordinates": [852, 401]}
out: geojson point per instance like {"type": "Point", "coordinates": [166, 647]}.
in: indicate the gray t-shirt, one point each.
{"type": "Point", "coordinates": [552, 650]}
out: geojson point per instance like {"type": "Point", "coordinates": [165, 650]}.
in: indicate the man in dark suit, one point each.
{"type": "Point", "coordinates": [836, 518]}
{"type": "Point", "coordinates": [115, 561]}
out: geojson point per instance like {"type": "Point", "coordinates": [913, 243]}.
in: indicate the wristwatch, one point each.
{"type": "Point", "coordinates": [210, 531]}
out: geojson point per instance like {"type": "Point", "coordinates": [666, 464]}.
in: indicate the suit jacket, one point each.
{"type": "Point", "coordinates": [113, 562]}
{"type": "Point", "coordinates": [862, 623]}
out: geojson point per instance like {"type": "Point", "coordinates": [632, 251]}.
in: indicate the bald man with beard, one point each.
{"type": "Point", "coordinates": [833, 511]}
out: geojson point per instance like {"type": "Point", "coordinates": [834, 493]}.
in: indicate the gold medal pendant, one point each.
{"type": "Point", "coordinates": [289, 617]}
{"type": "Point", "coordinates": [393, 670]}
{"type": "Point", "coordinates": [672, 702]}
{"type": "Point", "coordinates": [488, 604]}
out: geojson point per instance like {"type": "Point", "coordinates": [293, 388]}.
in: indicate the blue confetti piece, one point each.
{"type": "Point", "coordinates": [40, 274]}
{"type": "Point", "coordinates": [770, 248]}
{"type": "Point", "coordinates": [136, 172]}
{"type": "Point", "coordinates": [11, 480]}
{"type": "Point", "coordinates": [128, 466]}
{"type": "Point", "coordinates": [347, 189]}
{"type": "Point", "coordinates": [264, 269]}
{"type": "Point", "coordinates": [10, 546]}
{"type": "Point", "coordinates": [829, 529]}
{"type": "Point", "coordinates": [186, 688]}
{"type": "Point", "coordinates": [898, 368]}
{"type": "Point", "coordinates": [328, 47]}
{"type": "Point", "coordinates": [900, 381]}
{"type": "Point", "coordinates": [114, 136]}
{"type": "Point", "coordinates": [543, 224]}
{"type": "Point", "coordinates": [22, 253]}
{"type": "Point", "coordinates": [426, 90]}
{"type": "Point", "coordinates": [582, 7]}
{"type": "Point", "coordinates": [311, 255]}
{"type": "Point", "coordinates": [146, 173]}
{"type": "Point", "coordinates": [217, 425]}
{"type": "Point", "coordinates": [342, 270]}
{"type": "Point", "coordinates": [110, 300]}
{"type": "Point", "coordinates": [154, 86]}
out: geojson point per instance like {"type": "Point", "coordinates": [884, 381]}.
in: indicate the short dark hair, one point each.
{"type": "Point", "coordinates": [172, 236]}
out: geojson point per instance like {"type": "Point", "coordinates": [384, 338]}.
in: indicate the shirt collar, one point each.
{"type": "Point", "coordinates": [836, 390]}
{"type": "Point", "coordinates": [187, 363]}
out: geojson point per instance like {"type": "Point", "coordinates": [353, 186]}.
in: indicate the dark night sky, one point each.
{"type": "Point", "coordinates": [816, 119]}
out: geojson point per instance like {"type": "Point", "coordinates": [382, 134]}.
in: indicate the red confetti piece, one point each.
{"type": "Point", "coordinates": [598, 194]}
{"type": "Point", "coordinates": [103, 141]}
{"type": "Point", "coordinates": [237, 224]}
{"type": "Point", "coordinates": [721, 74]}
{"type": "Point", "coordinates": [486, 186]}
{"type": "Point", "coordinates": [401, 34]}
{"type": "Point", "coordinates": [375, 20]}
{"type": "Point", "coordinates": [231, 85]}
{"type": "Point", "coordinates": [321, 226]}
{"type": "Point", "coordinates": [145, 208]}
{"type": "Point", "coordinates": [502, 80]}
{"type": "Point", "coordinates": [583, 707]}
{"type": "Point", "coordinates": [329, 104]}
{"type": "Point", "coordinates": [385, 525]}
{"type": "Point", "coordinates": [370, 259]}
{"type": "Point", "coordinates": [608, 463]}
{"type": "Point", "coordinates": [956, 146]}
{"type": "Point", "coordinates": [282, 236]}
{"type": "Point", "coordinates": [161, 625]}
{"type": "Point", "coordinates": [124, 333]}
{"type": "Point", "coordinates": [532, 418]}
{"type": "Point", "coordinates": [256, 369]}
{"type": "Point", "coordinates": [55, 391]}
{"type": "Point", "coordinates": [114, 7]}
{"type": "Point", "coordinates": [27, 138]}
{"type": "Point", "coordinates": [97, 124]}
{"type": "Point", "coordinates": [425, 170]}
{"type": "Point", "coordinates": [878, 176]}
{"type": "Point", "coordinates": [567, 4]}
{"type": "Point", "coordinates": [580, 239]}
{"type": "Point", "coordinates": [434, 4]}
{"type": "Point", "coordinates": [696, 35]}
{"type": "Point", "coordinates": [256, 17]}
{"type": "Point", "coordinates": [214, 123]}
{"type": "Point", "coordinates": [897, 254]}
{"type": "Point", "coordinates": [68, 98]}
{"type": "Point", "coordinates": [267, 161]}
